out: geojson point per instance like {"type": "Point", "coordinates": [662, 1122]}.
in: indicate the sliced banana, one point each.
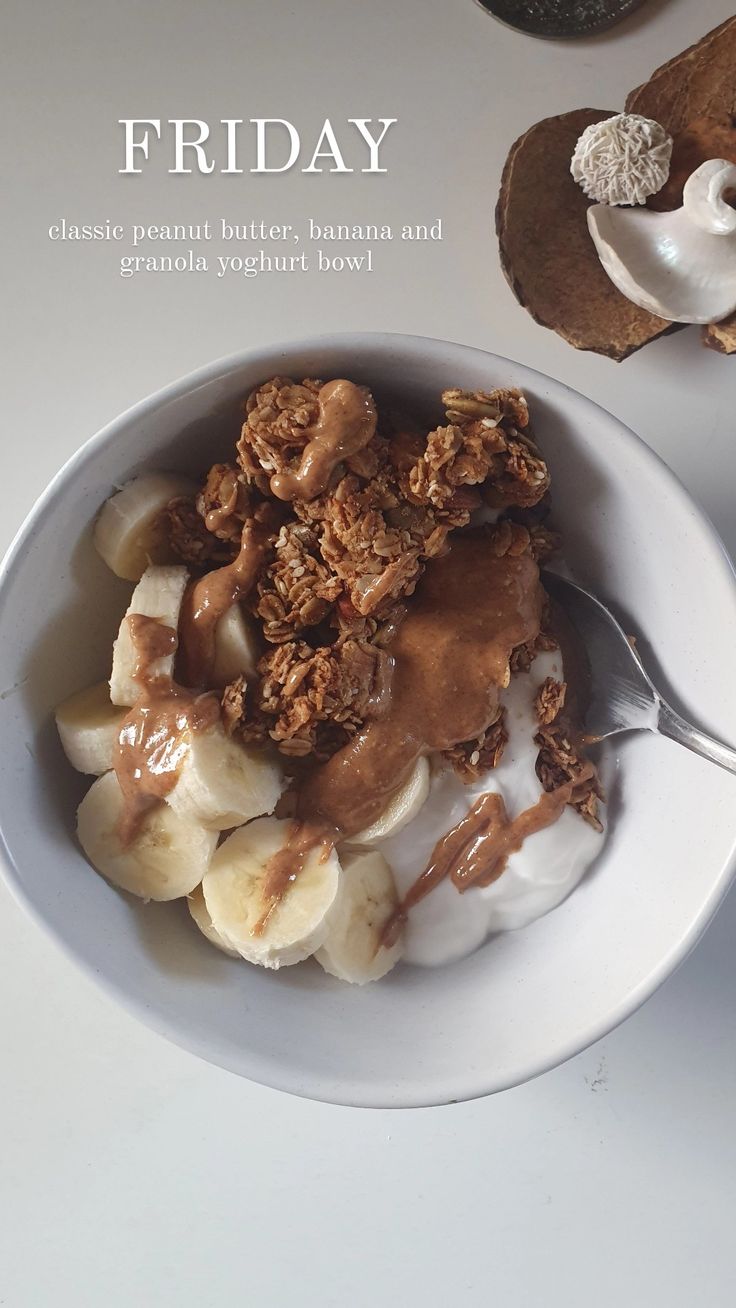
{"type": "Point", "coordinates": [236, 647]}
{"type": "Point", "coordinates": [222, 783]}
{"type": "Point", "coordinates": [88, 725]}
{"type": "Point", "coordinates": [168, 857]}
{"type": "Point", "coordinates": [400, 810]}
{"type": "Point", "coordinates": [367, 898]}
{"type": "Point", "coordinates": [128, 532]}
{"type": "Point", "coordinates": [159, 594]}
{"type": "Point", "coordinates": [198, 910]}
{"type": "Point", "coordinates": [234, 889]}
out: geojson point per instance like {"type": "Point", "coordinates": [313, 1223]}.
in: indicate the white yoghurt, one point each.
{"type": "Point", "coordinates": [447, 925]}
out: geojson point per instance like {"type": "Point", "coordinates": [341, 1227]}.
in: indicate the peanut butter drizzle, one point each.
{"type": "Point", "coordinates": [474, 852]}
{"type": "Point", "coordinates": [451, 660]}
{"type": "Point", "coordinates": [289, 861]}
{"type": "Point", "coordinates": [215, 518]}
{"type": "Point", "coordinates": [347, 421]}
{"type": "Point", "coordinates": [207, 600]}
{"type": "Point", "coordinates": [154, 736]}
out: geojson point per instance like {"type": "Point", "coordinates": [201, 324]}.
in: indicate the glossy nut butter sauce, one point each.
{"type": "Point", "coordinates": [447, 660]}
{"type": "Point", "coordinates": [154, 735]}
{"type": "Point", "coordinates": [451, 658]}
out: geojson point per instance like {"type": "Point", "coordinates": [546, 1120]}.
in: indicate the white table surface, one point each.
{"type": "Point", "coordinates": [133, 1174]}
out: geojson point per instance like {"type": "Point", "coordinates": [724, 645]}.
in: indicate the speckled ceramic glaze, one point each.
{"type": "Point", "coordinates": [553, 19]}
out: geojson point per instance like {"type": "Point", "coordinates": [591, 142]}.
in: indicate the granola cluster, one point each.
{"type": "Point", "coordinates": [474, 757]}
{"type": "Point", "coordinates": [224, 503]}
{"type": "Point", "coordinates": [315, 699]}
{"type": "Point", "coordinates": [484, 445]}
{"type": "Point", "coordinates": [561, 759]}
{"type": "Point", "coordinates": [190, 539]}
{"type": "Point", "coordinates": [342, 563]}
{"type": "Point", "coordinates": [297, 589]}
{"type": "Point", "coordinates": [278, 416]}
{"type": "Point", "coordinates": [550, 700]}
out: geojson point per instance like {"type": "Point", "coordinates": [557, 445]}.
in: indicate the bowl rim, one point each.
{"type": "Point", "coordinates": [321, 1087]}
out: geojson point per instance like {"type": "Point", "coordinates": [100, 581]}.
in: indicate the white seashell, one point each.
{"type": "Point", "coordinates": [679, 265]}
{"type": "Point", "coordinates": [622, 160]}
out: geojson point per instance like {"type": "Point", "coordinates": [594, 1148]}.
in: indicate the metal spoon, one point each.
{"type": "Point", "coordinates": [622, 696]}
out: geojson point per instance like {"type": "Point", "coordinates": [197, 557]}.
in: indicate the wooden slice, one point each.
{"type": "Point", "coordinates": [703, 138]}
{"type": "Point", "coordinates": [700, 82]}
{"type": "Point", "coordinates": [547, 254]}
{"type": "Point", "coordinates": [721, 336]}
{"type": "Point", "coordinates": [694, 97]}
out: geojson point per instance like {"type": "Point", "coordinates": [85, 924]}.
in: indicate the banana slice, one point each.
{"type": "Point", "coordinates": [88, 725]}
{"type": "Point", "coordinates": [167, 859]}
{"type": "Point", "coordinates": [367, 898]}
{"type": "Point", "coordinates": [404, 806]}
{"type": "Point", "coordinates": [235, 889]}
{"type": "Point", "coordinates": [159, 594]}
{"type": "Point", "coordinates": [198, 910]}
{"type": "Point", "coordinates": [222, 784]}
{"type": "Point", "coordinates": [236, 647]}
{"type": "Point", "coordinates": [128, 531]}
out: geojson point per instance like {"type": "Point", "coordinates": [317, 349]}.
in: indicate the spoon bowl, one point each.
{"type": "Point", "coordinates": [622, 695]}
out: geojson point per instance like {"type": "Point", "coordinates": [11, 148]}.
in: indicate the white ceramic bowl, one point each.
{"type": "Point", "coordinates": [527, 1000]}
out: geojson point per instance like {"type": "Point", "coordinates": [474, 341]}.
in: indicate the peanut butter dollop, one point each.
{"type": "Point", "coordinates": [451, 659]}
{"type": "Point", "coordinates": [346, 423]}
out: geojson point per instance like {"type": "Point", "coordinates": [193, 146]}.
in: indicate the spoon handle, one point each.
{"type": "Point", "coordinates": [672, 725]}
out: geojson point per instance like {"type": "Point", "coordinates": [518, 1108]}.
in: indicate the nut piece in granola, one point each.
{"type": "Point", "coordinates": [224, 502]}
{"type": "Point", "coordinates": [550, 700]}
